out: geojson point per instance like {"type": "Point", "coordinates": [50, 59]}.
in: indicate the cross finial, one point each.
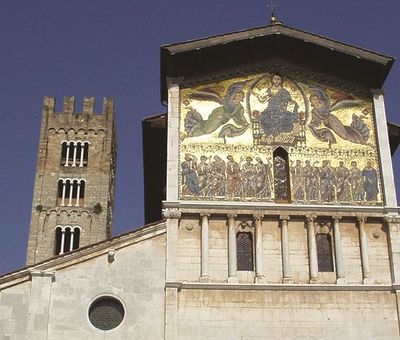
{"type": "Point", "coordinates": [273, 6]}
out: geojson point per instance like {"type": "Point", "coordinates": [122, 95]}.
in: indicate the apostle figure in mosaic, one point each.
{"type": "Point", "coordinates": [370, 182]}
{"type": "Point", "coordinates": [311, 176]}
{"type": "Point", "coordinates": [218, 177]}
{"type": "Point", "coordinates": [298, 181]}
{"type": "Point", "coordinates": [281, 112]}
{"type": "Point", "coordinates": [190, 183]}
{"type": "Point", "coordinates": [327, 181]}
{"type": "Point", "coordinates": [230, 108]}
{"type": "Point", "coordinates": [248, 176]}
{"type": "Point", "coordinates": [233, 178]}
{"type": "Point", "coordinates": [262, 179]}
{"type": "Point", "coordinates": [203, 175]}
{"type": "Point", "coordinates": [343, 190]}
{"type": "Point", "coordinates": [356, 182]}
{"type": "Point", "coordinates": [357, 132]}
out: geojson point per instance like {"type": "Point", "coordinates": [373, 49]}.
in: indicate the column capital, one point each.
{"type": "Point", "coordinates": [231, 215]}
{"type": "Point", "coordinates": [172, 213]}
{"type": "Point", "coordinates": [377, 93]}
{"type": "Point", "coordinates": [284, 217]}
{"type": "Point", "coordinates": [204, 214]}
{"type": "Point", "coordinates": [361, 218]}
{"type": "Point", "coordinates": [311, 218]}
{"type": "Point", "coordinates": [336, 218]}
{"type": "Point", "coordinates": [258, 217]}
{"type": "Point", "coordinates": [392, 219]}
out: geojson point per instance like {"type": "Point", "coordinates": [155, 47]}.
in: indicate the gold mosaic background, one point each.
{"type": "Point", "coordinates": [230, 130]}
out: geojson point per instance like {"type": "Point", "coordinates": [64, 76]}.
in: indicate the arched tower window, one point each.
{"type": "Point", "coordinates": [281, 175]}
{"type": "Point", "coordinates": [74, 153]}
{"type": "Point", "coordinates": [71, 192]}
{"type": "Point", "coordinates": [67, 239]}
{"type": "Point", "coordinates": [244, 248]}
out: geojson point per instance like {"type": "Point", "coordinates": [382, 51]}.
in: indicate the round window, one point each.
{"type": "Point", "coordinates": [106, 313]}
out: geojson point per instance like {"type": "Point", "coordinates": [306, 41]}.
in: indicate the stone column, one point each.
{"type": "Point", "coordinates": [74, 155]}
{"type": "Point", "coordinates": [287, 275]}
{"type": "Point", "coordinates": [63, 193]}
{"type": "Point", "coordinates": [260, 277]}
{"type": "Point", "coordinates": [78, 194]}
{"type": "Point", "coordinates": [67, 155]}
{"type": "Point", "coordinates": [39, 305]}
{"type": "Point", "coordinates": [173, 216]}
{"type": "Point", "coordinates": [232, 253]}
{"type": "Point", "coordinates": [312, 250]}
{"type": "Point", "coordinates": [82, 151]}
{"type": "Point", "coordinates": [62, 241]}
{"type": "Point", "coordinates": [340, 276]}
{"type": "Point", "coordinates": [205, 275]}
{"type": "Point", "coordinates": [393, 224]}
{"type": "Point", "coordinates": [389, 189]}
{"type": "Point", "coordinates": [364, 250]}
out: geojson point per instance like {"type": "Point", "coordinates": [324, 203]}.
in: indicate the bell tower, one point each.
{"type": "Point", "coordinates": [73, 197]}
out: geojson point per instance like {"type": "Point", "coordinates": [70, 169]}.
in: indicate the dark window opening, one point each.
{"type": "Point", "coordinates": [281, 176]}
{"type": "Point", "coordinates": [324, 253]}
{"type": "Point", "coordinates": [244, 244]}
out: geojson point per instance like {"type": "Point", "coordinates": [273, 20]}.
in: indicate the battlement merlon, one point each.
{"type": "Point", "coordinates": [49, 104]}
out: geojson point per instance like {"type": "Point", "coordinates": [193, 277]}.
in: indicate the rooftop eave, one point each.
{"type": "Point", "coordinates": [189, 58]}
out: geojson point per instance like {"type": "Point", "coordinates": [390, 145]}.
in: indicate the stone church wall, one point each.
{"type": "Point", "coordinates": [55, 306]}
{"type": "Point", "coordinates": [247, 314]}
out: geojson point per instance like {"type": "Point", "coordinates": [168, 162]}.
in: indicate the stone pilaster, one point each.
{"type": "Point", "coordinates": [393, 224]}
{"type": "Point", "coordinates": [389, 189]}
{"type": "Point", "coordinates": [39, 305]}
{"type": "Point", "coordinates": [173, 142]}
{"type": "Point", "coordinates": [172, 215]}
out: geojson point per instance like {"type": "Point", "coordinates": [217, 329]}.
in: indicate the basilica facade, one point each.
{"type": "Point", "coordinates": [279, 211]}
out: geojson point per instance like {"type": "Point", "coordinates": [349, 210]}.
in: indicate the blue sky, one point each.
{"type": "Point", "coordinates": [111, 48]}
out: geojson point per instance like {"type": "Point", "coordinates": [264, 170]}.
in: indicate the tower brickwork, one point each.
{"type": "Point", "coordinates": [75, 176]}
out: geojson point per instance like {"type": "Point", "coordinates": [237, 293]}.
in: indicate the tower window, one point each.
{"type": "Point", "coordinates": [281, 175]}
{"type": "Point", "coordinates": [244, 246]}
{"type": "Point", "coordinates": [324, 252]}
{"type": "Point", "coordinates": [74, 153]}
{"type": "Point", "coordinates": [67, 239]}
{"type": "Point", "coordinates": [71, 192]}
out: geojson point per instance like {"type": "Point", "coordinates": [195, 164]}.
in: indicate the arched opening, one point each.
{"type": "Point", "coordinates": [281, 175]}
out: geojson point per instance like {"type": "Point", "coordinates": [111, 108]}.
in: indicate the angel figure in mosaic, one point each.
{"type": "Point", "coordinates": [322, 114]}
{"type": "Point", "coordinates": [230, 109]}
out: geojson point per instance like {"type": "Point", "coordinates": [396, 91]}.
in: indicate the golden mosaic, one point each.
{"type": "Point", "coordinates": [267, 137]}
